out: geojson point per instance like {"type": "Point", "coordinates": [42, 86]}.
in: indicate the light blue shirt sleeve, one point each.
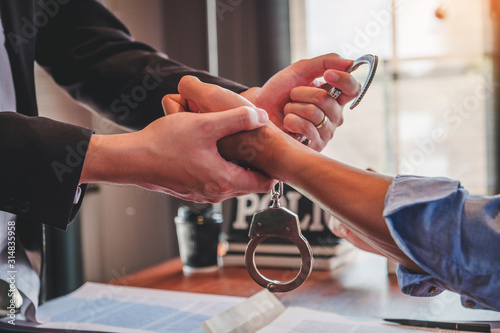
{"type": "Point", "coordinates": [451, 234]}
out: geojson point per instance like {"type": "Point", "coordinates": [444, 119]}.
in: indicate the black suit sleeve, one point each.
{"type": "Point", "coordinates": [40, 167]}
{"type": "Point", "coordinates": [92, 55]}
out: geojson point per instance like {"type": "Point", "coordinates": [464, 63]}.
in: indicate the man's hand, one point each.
{"type": "Point", "coordinates": [178, 155]}
{"type": "Point", "coordinates": [208, 98]}
{"type": "Point", "coordinates": [297, 103]}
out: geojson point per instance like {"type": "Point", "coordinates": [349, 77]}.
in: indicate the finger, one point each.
{"type": "Point", "coordinates": [235, 181]}
{"type": "Point", "coordinates": [309, 69]}
{"type": "Point", "coordinates": [345, 82]}
{"type": "Point", "coordinates": [174, 103]}
{"type": "Point", "coordinates": [246, 181]}
{"type": "Point", "coordinates": [320, 104]}
{"type": "Point", "coordinates": [232, 121]}
{"type": "Point", "coordinates": [209, 97]}
{"type": "Point", "coordinates": [305, 117]}
{"type": "Point", "coordinates": [295, 124]}
{"type": "Point", "coordinates": [301, 116]}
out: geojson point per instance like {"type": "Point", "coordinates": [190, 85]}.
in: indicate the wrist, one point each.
{"type": "Point", "coordinates": [267, 149]}
{"type": "Point", "coordinates": [109, 159]}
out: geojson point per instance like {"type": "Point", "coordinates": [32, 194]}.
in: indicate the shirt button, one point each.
{"type": "Point", "coordinates": [469, 304]}
{"type": "Point", "coordinates": [433, 290]}
{"type": "Point", "coordinates": [23, 206]}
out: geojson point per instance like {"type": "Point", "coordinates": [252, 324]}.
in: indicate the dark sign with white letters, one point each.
{"type": "Point", "coordinates": [313, 219]}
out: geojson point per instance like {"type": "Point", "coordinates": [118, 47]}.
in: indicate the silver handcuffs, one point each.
{"type": "Point", "coordinates": [279, 222]}
{"type": "Point", "coordinates": [368, 59]}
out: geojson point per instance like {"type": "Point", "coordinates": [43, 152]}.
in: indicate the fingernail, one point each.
{"type": "Point", "coordinates": [343, 231]}
{"type": "Point", "coordinates": [262, 116]}
{"type": "Point", "coordinates": [331, 76]}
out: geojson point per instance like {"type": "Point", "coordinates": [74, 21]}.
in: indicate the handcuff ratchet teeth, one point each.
{"type": "Point", "coordinates": [372, 61]}
{"type": "Point", "coordinates": [369, 59]}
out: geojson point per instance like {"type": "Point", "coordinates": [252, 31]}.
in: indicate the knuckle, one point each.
{"type": "Point", "coordinates": [319, 96]}
{"type": "Point", "coordinates": [335, 55]}
{"type": "Point", "coordinates": [165, 99]}
{"type": "Point", "coordinates": [288, 108]}
{"type": "Point", "coordinates": [289, 123]}
{"type": "Point", "coordinates": [205, 125]}
{"type": "Point", "coordinates": [245, 116]}
{"type": "Point", "coordinates": [263, 187]}
{"type": "Point", "coordinates": [356, 87]}
{"type": "Point", "coordinates": [224, 186]}
{"type": "Point", "coordinates": [310, 111]}
{"type": "Point", "coordinates": [299, 63]}
{"type": "Point", "coordinates": [329, 134]}
{"type": "Point", "coordinates": [246, 111]}
{"type": "Point", "coordinates": [339, 121]}
{"type": "Point", "coordinates": [294, 93]}
{"type": "Point", "coordinates": [212, 192]}
{"type": "Point", "coordinates": [337, 118]}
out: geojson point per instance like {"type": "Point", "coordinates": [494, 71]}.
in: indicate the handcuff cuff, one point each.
{"type": "Point", "coordinates": [369, 59]}
{"type": "Point", "coordinates": [279, 222]}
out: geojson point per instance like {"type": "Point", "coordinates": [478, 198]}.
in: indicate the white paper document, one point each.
{"type": "Point", "coordinates": [254, 315]}
{"type": "Point", "coordinates": [302, 320]}
{"type": "Point", "coordinates": [107, 308]}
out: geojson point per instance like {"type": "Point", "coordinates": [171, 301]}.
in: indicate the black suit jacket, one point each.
{"type": "Point", "coordinates": [92, 56]}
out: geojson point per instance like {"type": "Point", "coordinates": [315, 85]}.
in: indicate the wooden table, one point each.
{"type": "Point", "coordinates": [360, 288]}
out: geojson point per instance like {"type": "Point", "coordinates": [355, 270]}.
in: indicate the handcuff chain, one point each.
{"type": "Point", "coordinates": [276, 195]}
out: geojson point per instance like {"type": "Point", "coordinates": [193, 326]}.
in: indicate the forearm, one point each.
{"type": "Point", "coordinates": [354, 196]}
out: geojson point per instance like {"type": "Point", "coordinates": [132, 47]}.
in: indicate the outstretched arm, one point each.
{"type": "Point", "coordinates": [354, 196]}
{"type": "Point", "coordinates": [177, 154]}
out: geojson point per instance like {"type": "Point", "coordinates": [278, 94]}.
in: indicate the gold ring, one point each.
{"type": "Point", "coordinates": [334, 93]}
{"type": "Point", "coordinates": [323, 122]}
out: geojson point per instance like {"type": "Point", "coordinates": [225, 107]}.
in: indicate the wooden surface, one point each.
{"type": "Point", "coordinates": [361, 288]}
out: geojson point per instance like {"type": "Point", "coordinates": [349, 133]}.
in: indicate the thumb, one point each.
{"type": "Point", "coordinates": [236, 120]}
{"type": "Point", "coordinates": [310, 69]}
{"type": "Point", "coordinates": [209, 97]}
